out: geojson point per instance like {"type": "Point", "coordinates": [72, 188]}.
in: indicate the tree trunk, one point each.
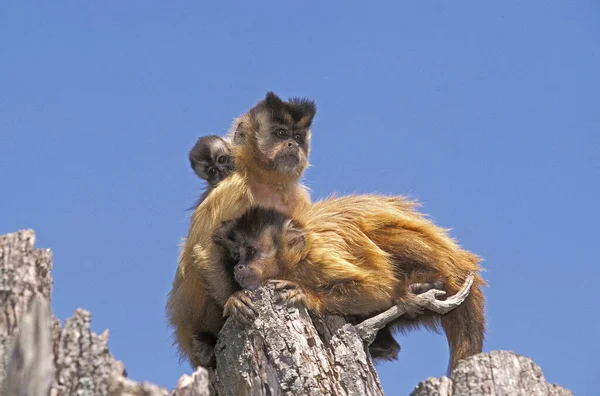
{"type": "Point", "coordinates": [38, 355]}
{"type": "Point", "coordinates": [494, 373]}
{"type": "Point", "coordinates": [286, 351]}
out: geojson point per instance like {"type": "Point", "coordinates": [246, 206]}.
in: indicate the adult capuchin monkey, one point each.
{"type": "Point", "coordinates": [357, 255]}
{"type": "Point", "coordinates": [270, 148]}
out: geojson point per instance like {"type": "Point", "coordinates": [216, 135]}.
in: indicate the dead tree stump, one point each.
{"type": "Point", "coordinates": [288, 352]}
{"type": "Point", "coordinates": [497, 373]}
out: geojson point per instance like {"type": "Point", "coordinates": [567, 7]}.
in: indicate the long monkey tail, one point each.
{"type": "Point", "coordinates": [465, 325]}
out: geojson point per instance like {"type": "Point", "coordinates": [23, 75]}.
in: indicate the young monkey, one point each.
{"type": "Point", "coordinates": [356, 256]}
{"type": "Point", "coordinates": [212, 161]}
{"type": "Point", "coordinates": [270, 147]}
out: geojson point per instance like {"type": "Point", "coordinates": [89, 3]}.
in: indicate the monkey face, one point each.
{"type": "Point", "coordinates": [220, 166]}
{"type": "Point", "coordinates": [251, 261]}
{"type": "Point", "coordinates": [279, 134]}
{"type": "Point", "coordinates": [287, 148]}
{"type": "Point", "coordinates": [259, 244]}
{"type": "Point", "coordinates": [211, 159]}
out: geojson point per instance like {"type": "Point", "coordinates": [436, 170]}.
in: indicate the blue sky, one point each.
{"type": "Point", "coordinates": [486, 112]}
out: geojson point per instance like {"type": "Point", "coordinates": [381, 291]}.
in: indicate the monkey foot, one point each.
{"type": "Point", "coordinates": [368, 328]}
{"type": "Point", "coordinates": [289, 292]}
{"type": "Point", "coordinates": [241, 308]}
{"type": "Point", "coordinates": [430, 299]}
{"type": "Point", "coordinates": [203, 350]}
{"type": "Point", "coordinates": [419, 288]}
{"type": "Point", "coordinates": [410, 305]}
{"type": "Point", "coordinates": [384, 347]}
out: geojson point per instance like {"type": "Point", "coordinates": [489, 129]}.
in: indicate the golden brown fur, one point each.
{"type": "Point", "coordinates": [201, 288]}
{"type": "Point", "coordinates": [358, 255]}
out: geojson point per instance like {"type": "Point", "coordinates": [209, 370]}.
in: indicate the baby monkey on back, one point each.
{"type": "Point", "coordinates": [212, 161]}
{"type": "Point", "coordinates": [355, 256]}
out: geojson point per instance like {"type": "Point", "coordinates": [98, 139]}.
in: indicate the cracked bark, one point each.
{"type": "Point", "coordinates": [286, 351]}
{"type": "Point", "coordinates": [39, 356]}
{"type": "Point", "coordinates": [493, 373]}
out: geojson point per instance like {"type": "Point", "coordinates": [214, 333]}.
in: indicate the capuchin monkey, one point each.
{"type": "Point", "coordinates": [355, 256]}
{"type": "Point", "coordinates": [270, 148]}
{"type": "Point", "coordinates": [211, 159]}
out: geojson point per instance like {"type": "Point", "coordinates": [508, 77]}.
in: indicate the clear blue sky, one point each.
{"type": "Point", "coordinates": [489, 113]}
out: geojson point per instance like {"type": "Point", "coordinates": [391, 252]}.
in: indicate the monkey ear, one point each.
{"type": "Point", "coordinates": [221, 234]}
{"type": "Point", "coordinates": [239, 136]}
{"type": "Point", "coordinates": [294, 235]}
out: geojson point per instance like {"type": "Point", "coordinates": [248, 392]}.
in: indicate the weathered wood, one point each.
{"type": "Point", "coordinates": [83, 363]}
{"type": "Point", "coordinates": [497, 373]}
{"type": "Point", "coordinates": [285, 353]}
{"type": "Point", "coordinates": [36, 353]}
{"type": "Point", "coordinates": [24, 273]}
{"type": "Point", "coordinates": [29, 370]}
{"type": "Point", "coordinates": [195, 385]}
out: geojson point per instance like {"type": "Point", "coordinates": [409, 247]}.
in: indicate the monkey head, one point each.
{"type": "Point", "coordinates": [260, 245]}
{"type": "Point", "coordinates": [273, 138]}
{"type": "Point", "coordinates": [211, 159]}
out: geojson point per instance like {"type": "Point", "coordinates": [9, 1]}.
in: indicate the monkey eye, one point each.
{"type": "Point", "coordinates": [298, 137]}
{"type": "Point", "coordinates": [212, 172]}
{"type": "Point", "coordinates": [221, 159]}
{"type": "Point", "coordinates": [281, 132]}
{"type": "Point", "coordinates": [250, 251]}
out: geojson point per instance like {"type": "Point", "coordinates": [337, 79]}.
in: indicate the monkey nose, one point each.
{"type": "Point", "coordinates": [290, 144]}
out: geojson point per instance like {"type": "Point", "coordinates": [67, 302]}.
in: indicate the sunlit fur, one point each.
{"type": "Point", "coordinates": [201, 287]}
{"type": "Point", "coordinates": [356, 255]}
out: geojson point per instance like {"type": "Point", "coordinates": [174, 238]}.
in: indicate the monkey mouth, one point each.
{"type": "Point", "coordinates": [288, 160]}
{"type": "Point", "coordinates": [247, 281]}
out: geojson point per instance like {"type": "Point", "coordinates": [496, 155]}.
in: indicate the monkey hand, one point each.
{"type": "Point", "coordinates": [241, 308]}
{"type": "Point", "coordinates": [289, 292]}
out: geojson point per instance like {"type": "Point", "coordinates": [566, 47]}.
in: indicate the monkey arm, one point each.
{"type": "Point", "coordinates": [200, 257]}
{"type": "Point", "coordinates": [201, 287]}
{"type": "Point", "coordinates": [368, 329]}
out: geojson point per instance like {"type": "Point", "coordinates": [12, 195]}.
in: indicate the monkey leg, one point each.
{"type": "Point", "coordinates": [203, 350]}
{"type": "Point", "coordinates": [384, 347]}
{"type": "Point", "coordinates": [416, 285]}
{"type": "Point", "coordinates": [411, 306]}
{"type": "Point", "coordinates": [241, 308]}
{"type": "Point", "coordinates": [422, 287]}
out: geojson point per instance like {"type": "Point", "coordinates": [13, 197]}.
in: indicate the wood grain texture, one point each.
{"type": "Point", "coordinates": [288, 352]}
{"type": "Point", "coordinates": [497, 373]}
